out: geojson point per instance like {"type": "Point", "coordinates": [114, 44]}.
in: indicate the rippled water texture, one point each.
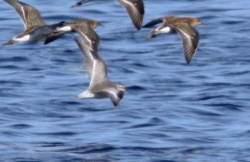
{"type": "Point", "coordinates": [172, 112]}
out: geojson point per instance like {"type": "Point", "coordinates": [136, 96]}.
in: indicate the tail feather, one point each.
{"type": "Point", "coordinates": [85, 94]}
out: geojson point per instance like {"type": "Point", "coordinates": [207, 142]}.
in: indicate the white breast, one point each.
{"type": "Point", "coordinates": [25, 38]}
{"type": "Point", "coordinates": [65, 29]}
{"type": "Point", "coordinates": [164, 30]}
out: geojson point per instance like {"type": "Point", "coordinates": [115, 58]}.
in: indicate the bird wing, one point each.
{"type": "Point", "coordinates": [135, 9]}
{"type": "Point", "coordinates": [153, 22]}
{"type": "Point", "coordinates": [88, 35]}
{"type": "Point", "coordinates": [30, 15]}
{"type": "Point", "coordinates": [115, 99]}
{"type": "Point", "coordinates": [190, 39]}
{"type": "Point", "coordinates": [96, 67]}
{"type": "Point", "coordinates": [53, 36]}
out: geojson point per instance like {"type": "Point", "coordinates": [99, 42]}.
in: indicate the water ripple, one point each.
{"type": "Point", "coordinates": [171, 112]}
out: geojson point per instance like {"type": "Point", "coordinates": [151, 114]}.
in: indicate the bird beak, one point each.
{"type": "Point", "coordinates": [80, 3]}
{"type": "Point", "coordinates": [86, 1]}
{"type": "Point", "coordinates": [150, 37]}
{"type": "Point", "coordinates": [125, 89]}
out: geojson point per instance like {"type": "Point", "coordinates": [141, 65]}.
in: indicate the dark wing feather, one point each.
{"type": "Point", "coordinates": [88, 35]}
{"type": "Point", "coordinates": [135, 9]}
{"type": "Point", "coordinates": [153, 22]}
{"type": "Point", "coordinates": [116, 98]}
{"type": "Point", "coordinates": [190, 40]}
{"type": "Point", "coordinates": [53, 36]}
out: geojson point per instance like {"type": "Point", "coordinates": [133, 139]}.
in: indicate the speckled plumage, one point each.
{"type": "Point", "coordinates": [84, 26]}
{"type": "Point", "coordinates": [184, 27]}
{"type": "Point", "coordinates": [35, 28]}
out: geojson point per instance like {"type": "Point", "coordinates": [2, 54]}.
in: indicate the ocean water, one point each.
{"type": "Point", "coordinates": [172, 111]}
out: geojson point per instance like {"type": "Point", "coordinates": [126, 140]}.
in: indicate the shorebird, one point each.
{"type": "Point", "coordinates": [184, 26]}
{"type": "Point", "coordinates": [135, 9]}
{"type": "Point", "coordinates": [83, 25]}
{"type": "Point", "coordinates": [100, 86]}
{"type": "Point", "coordinates": [35, 28]}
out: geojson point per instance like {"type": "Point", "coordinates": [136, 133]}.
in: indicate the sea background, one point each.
{"type": "Point", "coordinates": [172, 111]}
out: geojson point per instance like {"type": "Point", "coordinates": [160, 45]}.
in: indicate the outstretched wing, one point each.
{"type": "Point", "coordinates": [116, 98]}
{"type": "Point", "coordinates": [30, 15]}
{"type": "Point", "coordinates": [88, 35]}
{"type": "Point", "coordinates": [135, 9]}
{"type": "Point", "coordinates": [96, 67]}
{"type": "Point", "coordinates": [190, 40]}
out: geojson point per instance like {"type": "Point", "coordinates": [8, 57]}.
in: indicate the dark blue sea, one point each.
{"type": "Point", "coordinates": [172, 112]}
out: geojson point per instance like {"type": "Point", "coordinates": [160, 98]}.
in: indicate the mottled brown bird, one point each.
{"type": "Point", "coordinates": [36, 29]}
{"type": "Point", "coordinates": [84, 26]}
{"type": "Point", "coordinates": [184, 26]}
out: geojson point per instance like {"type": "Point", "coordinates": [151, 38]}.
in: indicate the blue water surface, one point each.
{"type": "Point", "coordinates": [172, 111]}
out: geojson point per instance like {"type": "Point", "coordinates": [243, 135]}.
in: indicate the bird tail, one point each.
{"type": "Point", "coordinates": [85, 94]}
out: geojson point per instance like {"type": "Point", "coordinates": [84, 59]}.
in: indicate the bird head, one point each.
{"type": "Point", "coordinates": [121, 87]}
{"type": "Point", "coordinates": [95, 24]}
{"type": "Point", "coordinates": [195, 22]}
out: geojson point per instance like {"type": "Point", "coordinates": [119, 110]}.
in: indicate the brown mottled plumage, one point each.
{"type": "Point", "coordinates": [84, 26]}
{"type": "Point", "coordinates": [135, 9]}
{"type": "Point", "coordinates": [184, 27]}
{"type": "Point", "coordinates": [35, 28]}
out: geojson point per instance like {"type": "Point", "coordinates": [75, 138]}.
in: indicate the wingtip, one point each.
{"type": "Point", "coordinates": [116, 103]}
{"type": "Point", "coordinates": [188, 62]}
{"type": "Point", "coordinates": [116, 100]}
{"type": "Point", "coordinates": [189, 59]}
{"type": "Point", "coordinates": [138, 25]}
{"type": "Point", "coordinates": [138, 28]}
{"type": "Point", "coordinates": [11, 2]}
{"type": "Point", "coordinates": [47, 41]}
